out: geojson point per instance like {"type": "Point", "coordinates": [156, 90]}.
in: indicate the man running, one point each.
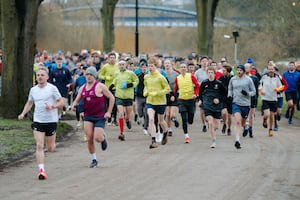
{"type": "Point", "coordinates": [96, 112]}
{"type": "Point", "coordinates": [47, 100]}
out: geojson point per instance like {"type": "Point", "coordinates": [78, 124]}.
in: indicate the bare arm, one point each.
{"type": "Point", "coordinates": [26, 108]}
{"type": "Point", "coordinates": [111, 103]}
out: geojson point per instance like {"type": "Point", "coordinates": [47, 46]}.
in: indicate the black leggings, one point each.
{"type": "Point", "coordinates": [187, 117]}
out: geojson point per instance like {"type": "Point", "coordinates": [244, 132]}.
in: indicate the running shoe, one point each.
{"type": "Point", "coordinates": [145, 132]}
{"type": "Point", "coordinates": [287, 113]}
{"type": "Point", "coordinates": [250, 132]}
{"type": "Point", "coordinates": [115, 123]}
{"type": "Point", "coordinates": [165, 138]}
{"type": "Point", "coordinates": [159, 137]}
{"type": "Point", "coordinates": [128, 124]}
{"type": "Point", "coordinates": [121, 137]}
{"type": "Point", "coordinates": [237, 145]}
{"type": "Point", "coordinates": [270, 132]}
{"type": "Point", "coordinates": [245, 132]}
{"type": "Point", "coordinates": [275, 127]}
{"type": "Point", "coordinates": [153, 145]}
{"type": "Point", "coordinates": [170, 133]}
{"type": "Point", "coordinates": [104, 144]}
{"type": "Point", "coordinates": [278, 117]}
{"type": "Point", "coordinates": [224, 128]}
{"type": "Point", "coordinates": [265, 124]}
{"type": "Point", "coordinates": [136, 117]}
{"type": "Point", "coordinates": [109, 123]}
{"type": "Point", "coordinates": [204, 128]}
{"type": "Point", "coordinates": [138, 121]}
{"type": "Point", "coordinates": [42, 175]}
{"type": "Point", "coordinates": [228, 131]}
{"type": "Point", "coordinates": [187, 139]}
{"type": "Point", "coordinates": [213, 145]}
{"type": "Point", "coordinates": [94, 163]}
{"type": "Point", "coordinates": [176, 123]}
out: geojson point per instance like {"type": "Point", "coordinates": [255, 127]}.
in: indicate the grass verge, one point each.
{"type": "Point", "coordinates": [17, 141]}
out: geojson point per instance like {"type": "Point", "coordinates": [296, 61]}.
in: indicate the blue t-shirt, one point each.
{"type": "Point", "coordinates": [292, 78]}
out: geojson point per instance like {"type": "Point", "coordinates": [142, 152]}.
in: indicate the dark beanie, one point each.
{"type": "Point", "coordinates": [242, 67]}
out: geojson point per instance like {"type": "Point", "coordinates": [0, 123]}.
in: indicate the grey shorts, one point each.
{"type": "Point", "coordinates": [124, 102]}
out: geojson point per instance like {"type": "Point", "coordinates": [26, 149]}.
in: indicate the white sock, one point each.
{"type": "Point", "coordinates": [170, 129]}
{"type": "Point", "coordinates": [237, 138]}
{"type": "Point", "coordinates": [94, 157]}
{"type": "Point", "coordinates": [41, 167]}
{"type": "Point", "coordinates": [186, 135]}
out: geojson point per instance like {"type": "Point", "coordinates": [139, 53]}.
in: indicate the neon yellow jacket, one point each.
{"type": "Point", "coordinates": [107, 73]}
{"type": "Point", "coordinates": [129, 78]}
{"type": "Point", "coordinates": [156, 88]}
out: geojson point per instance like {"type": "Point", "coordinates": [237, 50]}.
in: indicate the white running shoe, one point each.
{"type": "Point", "coordinates": [213, 145]}
{"type": "Point", "coordinates": [145, 132]}
{"type": "Point", "coordinates": [138, 121]}
{"type": "Point", "coordinates": [159, 137]}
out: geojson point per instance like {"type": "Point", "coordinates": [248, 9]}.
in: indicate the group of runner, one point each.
{"type": "Point", "coordinates": [115, 89]}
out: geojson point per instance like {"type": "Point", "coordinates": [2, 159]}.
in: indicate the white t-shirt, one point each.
{"type": "Point", "coordinates": [40, 96]}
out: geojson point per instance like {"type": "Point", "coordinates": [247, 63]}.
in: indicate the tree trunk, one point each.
{"type": "Point", "coordinates": [205, 17]}
{"type": "Point", "coordinates": [107, 16]}
{"type": "Point", "coordinates": [19, 19]}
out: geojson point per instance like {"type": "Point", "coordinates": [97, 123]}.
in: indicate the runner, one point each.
{"type": "Point", "coordinates": [124, 82]}
{"type": "Point", "coordinates": [172, 106]}
{"type": "Point", "coordinates": [240, 89]}
{"type": "Point", "coordinates": [155, 90]}
{"type": "Point", "coordinates": [107, 74]}
{"type": "Point", "coordinates": [292, 78]}
{"type": "Point", "coordinates": [96, 112]}
{"type": "Point", "coordinates": [47, 100]}
{"type": "Point", "coordinates": [188, 87]}
{"type": "Point", "coordinates": [212, 96]}
{"type": "Point", "coordinates": [270, 84]}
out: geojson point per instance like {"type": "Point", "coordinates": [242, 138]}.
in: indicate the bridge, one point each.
{"type": "Point", "coordinates": [179, 17]}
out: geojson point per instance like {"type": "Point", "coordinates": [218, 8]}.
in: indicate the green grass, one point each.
{"type": "Point", "coordinates": [16, 137]}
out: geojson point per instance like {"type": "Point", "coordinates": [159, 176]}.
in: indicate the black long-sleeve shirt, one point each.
{"type": "Point", "coordinates": [210, 90]}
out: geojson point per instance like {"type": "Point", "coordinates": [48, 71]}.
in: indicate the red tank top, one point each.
{"type": "Point", "coordinates": [93, 106]}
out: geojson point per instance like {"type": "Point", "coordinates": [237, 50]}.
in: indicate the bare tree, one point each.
{"type": "Point", "coordinates": [206, 10]}
{"type": "Point", "coordinates": [18, 23]}
{"type": "Point", "coordinates": [107, 16]}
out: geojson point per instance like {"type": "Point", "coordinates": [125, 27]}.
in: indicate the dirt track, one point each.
{"type": "Point", "coordinates": [265, 168]}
